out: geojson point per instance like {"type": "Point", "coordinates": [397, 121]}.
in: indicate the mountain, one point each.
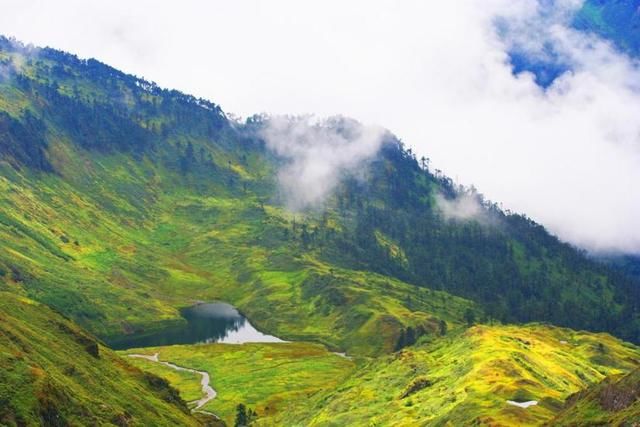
{"type": "Point", "coordinates": [464, 378]}
{"type": "Point", "coordinates": [122, 203]}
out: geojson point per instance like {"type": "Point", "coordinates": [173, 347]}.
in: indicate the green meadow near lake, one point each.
{"type": "Point", "coordinates": [165, 261]}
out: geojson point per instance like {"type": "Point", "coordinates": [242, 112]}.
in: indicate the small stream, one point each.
{"type": "Point", "coordinates": [215, 322]}
{"type": "Point", "coordinates": [208, 392]}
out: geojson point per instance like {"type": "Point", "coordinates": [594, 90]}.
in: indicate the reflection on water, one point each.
{"type": "Point", "coordinates": [206, 323]}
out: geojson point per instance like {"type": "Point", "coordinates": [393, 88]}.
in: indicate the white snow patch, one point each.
{"type": "Point", "coordinates": [524, 405]}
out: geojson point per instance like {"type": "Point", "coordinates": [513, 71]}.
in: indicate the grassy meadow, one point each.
{"type": "Point", "coordinates": [272, 379]}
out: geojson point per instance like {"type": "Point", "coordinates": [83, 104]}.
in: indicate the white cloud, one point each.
{"type": "Point", "coordinates": [462, 208]}
{"type": "Point", "coordinates": [318, 153]}
{"type": "Point", "coordinates": [435, 73]}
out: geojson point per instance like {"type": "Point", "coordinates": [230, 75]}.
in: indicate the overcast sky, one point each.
{"type": "Point", "coordinates": [435, 73]}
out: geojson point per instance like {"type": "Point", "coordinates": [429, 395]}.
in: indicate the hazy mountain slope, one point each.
{"type": "Point", "coordinates": [626, 264]}
{"type": "Point", "coordinates": [124, 277]}
{"type": "Point", "coordinates": [55, 374]}
{"type": "Point", "coordinates": [507, 263]}
{"type": "Point", "coordinates": [122, 202]}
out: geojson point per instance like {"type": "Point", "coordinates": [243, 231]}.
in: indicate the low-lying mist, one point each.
{"type": "Point", "coordinates": [463, 207]}
{"type": "Point", "coordinates": [317, 153]}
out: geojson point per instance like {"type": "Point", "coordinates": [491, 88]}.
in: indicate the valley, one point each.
{"type": "Point", "coordinates": [272, 379]}
{"type": "Point", "coordinates": [149, 239]}
{"type": "Point", "coordinates": [490, 374]}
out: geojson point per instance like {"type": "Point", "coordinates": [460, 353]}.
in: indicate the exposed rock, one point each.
{"type": "Point", "coordinates": [616, 397]}
{"type": "Point", "coordinates": [416, 385]}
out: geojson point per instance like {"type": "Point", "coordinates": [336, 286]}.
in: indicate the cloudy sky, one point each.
{"type": "Point", "coordinates": [437, 74]}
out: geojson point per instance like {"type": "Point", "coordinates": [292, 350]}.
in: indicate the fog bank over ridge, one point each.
{"type": "Point", "coordinates": [439, 75]}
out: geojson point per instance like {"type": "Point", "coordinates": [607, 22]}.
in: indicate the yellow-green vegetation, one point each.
{"type": "Point", "coordinates": [393, 249]}
{"type": "Point", "coordinates": [467, 379]}
{"type": "Point", "coordinates": [55, 374]}
{"type": "Point", "coordinates": [120, 241]}
{"type": "Point", "coordinates": [121, 203]}
{"type": "Point", "coordinates": [62, 245]}
{"type": "Point", "coordinates": [273, 379]}
{"type": "Point", "coordinates": [464, 378]}
{"type": "Point", "coordinates": [613, 402]}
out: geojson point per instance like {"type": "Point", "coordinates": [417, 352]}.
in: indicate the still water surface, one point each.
{"type": "Point", "coordinates": [206, 323]}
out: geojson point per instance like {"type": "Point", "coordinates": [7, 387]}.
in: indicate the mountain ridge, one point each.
{"type": "Point", "coordinates": [122, 203]}
{"type": "Point", "coordinates": [183, 148]}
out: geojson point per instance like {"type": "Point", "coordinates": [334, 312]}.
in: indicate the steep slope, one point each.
{"type": "Point", "coordinates": [613, 402]}
{"type": "Point", "coordinates": [55, 374]}
{"type": "Point", "coordinates": [468, 379]}
{"type": "Point", "coordinates": [626, 264]}
{"type": "Point", "coordinates": [122, 202]}
{"type": "Point", "coordinates": [120, 243]}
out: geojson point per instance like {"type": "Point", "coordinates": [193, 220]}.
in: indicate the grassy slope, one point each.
{"type": "Point", "coordinates": [53, 373]}
{"type": "Point", "coordinates": [613, 402]}
{"type": "Point", "coordinates": [118, 235]}
{"type": "Point", "coordinates": [272, 379]}
{"type": "Point", "coordinates": [128, 273]}
{"type": "Point", "coordinates": [462, 379]}
{"type": "Point", "coordinates": [120, 242]}
{"type": "Point", "coordinates": [468, 378]}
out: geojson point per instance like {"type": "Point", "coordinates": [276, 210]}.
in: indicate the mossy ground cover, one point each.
{"type": "Point", "coordinates": [272, 379]}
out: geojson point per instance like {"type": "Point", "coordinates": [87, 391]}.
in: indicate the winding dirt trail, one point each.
{"type": "Point", "coordinates": [209, 392]}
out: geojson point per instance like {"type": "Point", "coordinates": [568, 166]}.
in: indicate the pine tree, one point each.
{"type": "Point", "coordinates": [241, 416]}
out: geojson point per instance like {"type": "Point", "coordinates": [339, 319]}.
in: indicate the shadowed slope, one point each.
{"type": "Point", "coordinates": [53, 373]}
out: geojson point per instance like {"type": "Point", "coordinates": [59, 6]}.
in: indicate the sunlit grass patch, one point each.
{"type": "Point", "coordinates": [273, 379]}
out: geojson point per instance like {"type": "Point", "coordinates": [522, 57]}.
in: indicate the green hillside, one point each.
{"type": "Point", "coordinates": [120, 236]}
{"type": "Point", "coordinates": [122, 203]}
{"type": "Point", "coordinates": [467, 379]}
{"type": "Point", "coordinates": [613, 402]}
{"type": "Point", "coordinates": [55, 374]}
